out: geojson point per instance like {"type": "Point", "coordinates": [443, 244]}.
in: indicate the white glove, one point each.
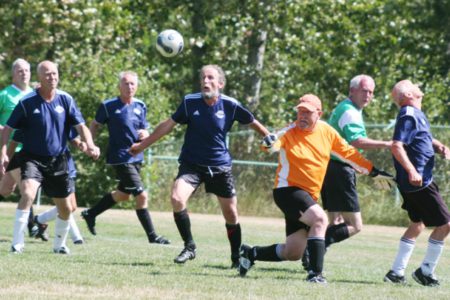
{"type": "Point", "coordinates": [382, 179]}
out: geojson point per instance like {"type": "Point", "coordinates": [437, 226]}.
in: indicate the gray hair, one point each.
{"type": "Point", "coordinates": [132, 73]}
{"type": "Point", "coordinates": [222, 78]}
{"type": "Point", "coordinates": [19, 61]}
{"type": "Point", "coordinates": [356, 81]}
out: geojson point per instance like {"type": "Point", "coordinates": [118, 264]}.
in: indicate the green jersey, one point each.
{"type": "Point", "coordinates": [9, 97]}
{"type": "Point", "coordinates": [347, 119]}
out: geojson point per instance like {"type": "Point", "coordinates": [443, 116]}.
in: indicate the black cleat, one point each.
{"type": "Point", "coordinates": [16, 250]}
{"type": "Point", "coordinates": [33, 230]}
{"type": "Point", "coordinates": [394, 278]}
{"type": "Point", "coordinates": [42, 230]}
{"type": "Point", "coordinates": [62, 250]}
{"type": "Point", "coordinates": [245, 263]}
{"type": "Point", "coordinates": [185, 255]}
{"type": "Point", "coordinates": [316, 278]}
{"type": "Point", "coordinates": [90, 221]}
{"type": "Point", "coordinates": [78, 242]}
{"type": "Point", "coordinates": [423, 279]}
{"type": "Point", "coordinates": [160, 240]}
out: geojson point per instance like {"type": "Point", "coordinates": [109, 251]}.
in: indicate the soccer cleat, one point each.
{"type": "Point", "coordinates": [160, 240]}
{"type": "Point", "coordinates": [78, 242]}
{"type": "Point", "coordinates": [42, 230]}
{"type": "Point", "coordinates": [426, 280]}
{"type": "Point", "coordinates": [90, 221]}
{"type": "Point", "coordinates": [62, 250]}
{"type": "Point", "coordinates": [185, 255]}
{"type": "Point", "coordinates": [316, 278]}
{"type": "Point", "coordinates": [245, 262]}
{"type": "Point", "coordinates": [33, 231]}
{"type": "Point", "coordinates": [394, 278]}
{"type": "Point", "coordinates": [16, 250]}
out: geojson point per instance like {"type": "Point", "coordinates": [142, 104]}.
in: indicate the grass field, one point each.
{"type": "Point", "coordinates": [119, 264]}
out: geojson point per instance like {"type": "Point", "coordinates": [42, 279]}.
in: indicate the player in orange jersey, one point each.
{"type": "Point", "coordinates": [304, 149]}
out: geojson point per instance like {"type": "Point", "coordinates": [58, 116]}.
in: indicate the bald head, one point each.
{"type": "Point", "coordinates": [406, 93]}
{"type": "Point", "coordinates": [48, 75]}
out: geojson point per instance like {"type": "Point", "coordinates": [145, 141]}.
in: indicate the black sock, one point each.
{"type": "Point", "coordinates": [336, 233]}
{"type": "Point", "coordinates": [31, 218]}
{"type": "Point", "coordinates": [316, 249]}
{"type": "Point", "coordinates": [104, 204]}
{"type": "Point", "coordinates": [146, 222]}
{"type": "Point", "coordinates": [267, 253]}
{"type": "Point", "coordinates": [235, 238]}
{"type": "Point", "coordinates": [184, 228]}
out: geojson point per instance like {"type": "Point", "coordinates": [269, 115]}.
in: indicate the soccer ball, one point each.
{"type": "Point", "coordinates": [169, 43]}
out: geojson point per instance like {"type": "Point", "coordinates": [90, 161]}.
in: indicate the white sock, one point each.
{"type": "Point", "coordinates": [20, 223]}
{"type": "Point", "coordinates": [48, 215]}
{"type": "Point", "coordinates": [432, 256]}
{"type": "Point", "coordinates": [61, 230]}
{"type": "Point", "coordinates": [74, 232]}
{"type": "Point", "coordinates": [405, 250]}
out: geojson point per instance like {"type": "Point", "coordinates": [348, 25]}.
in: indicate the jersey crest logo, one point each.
{"type": "Point", "coordinates": [36, 111]}
{"type": "Point", "coordinates": [196, 113]}
{"type": "Point", "coordinates": [220, 114]}
{"type": "Point", "coordinates": [117, 111]}
{"type": "Point", "coordinates": [59, 109]}
{"type": "Point", "coordinates": [137, 111]}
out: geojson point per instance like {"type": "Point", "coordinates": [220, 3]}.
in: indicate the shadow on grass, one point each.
{"type": "Point", "coordinates": [263, 269]}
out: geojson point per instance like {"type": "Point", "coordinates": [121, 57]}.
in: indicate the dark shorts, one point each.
{"type": "Point", "coordinates": [15, 162]}
{"type": "Point", "coordinates": [426, 206]}
{"type": "Point", "coordinates": [218, 180]}
{"type": "Point", "coordinates": [339, 188]}
{"type": "Point", "coordinates": [292, 201]}
{"type": "Point", "coordinates": [51, 172]}
{"type": "Point", "coordinates": [129, 178]}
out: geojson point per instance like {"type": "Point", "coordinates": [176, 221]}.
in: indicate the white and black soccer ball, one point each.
{"type": "Point", "coordinates": [169, 43]}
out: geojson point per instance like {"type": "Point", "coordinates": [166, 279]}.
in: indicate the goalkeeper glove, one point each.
{"type": "Point", "coordinates": [268, 141]}
{"type": "Point", "coordinates": [382, 179]}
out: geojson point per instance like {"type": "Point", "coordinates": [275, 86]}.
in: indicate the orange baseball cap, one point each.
{"type": "Point", "coordinates": [310, 102]}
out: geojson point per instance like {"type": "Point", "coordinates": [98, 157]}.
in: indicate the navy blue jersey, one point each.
{"type": "Point", "coordinates": [207, 128]}
{"type": "Point", "coordinates": [413, 130]}
{"type": "Point", "coordinates": [124, 121]}
{"type": "Point", "coordinates": [45, 125]}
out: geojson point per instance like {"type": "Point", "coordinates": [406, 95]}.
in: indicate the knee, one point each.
{"type": "Point", "coordinates": [292, 255]}
{"type": "Point", "coordinates": [358, 227]}
{"type": "Point", "coordinates": [141, 201]}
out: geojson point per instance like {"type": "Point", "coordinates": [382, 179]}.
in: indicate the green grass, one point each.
{"type": "Point", "coordinates": [119, 264]}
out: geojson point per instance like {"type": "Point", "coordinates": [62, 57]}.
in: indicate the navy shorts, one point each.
{"type": "Point", "coordinates": [427, 206]}
{"type": "Point", "coordinates": [51, 172]}
{"type": "Point", "coordinates": [339, 188]}
{"type": "Point", "coordinates": [292, 201]}
{"type": "Point", "coordinates": [129, 178]}
{"type": "Point", "coordinates": [218, 180]}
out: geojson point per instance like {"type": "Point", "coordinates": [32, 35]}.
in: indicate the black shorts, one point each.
{"type": "Point", "coordinates": [292, 201]}
{"type": "Point", "coordinates": [15, 162]}
{"type": "Point", "coordinates": [218, 180]}
{"type": "Point", "coordinates": [129, 178]}
{"type": "Point", "coordinates": [427, 206]}
{"type": "Point", "coordinates": [339, 188]}
{"type": "Point", "coordinates": [51, 172]}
